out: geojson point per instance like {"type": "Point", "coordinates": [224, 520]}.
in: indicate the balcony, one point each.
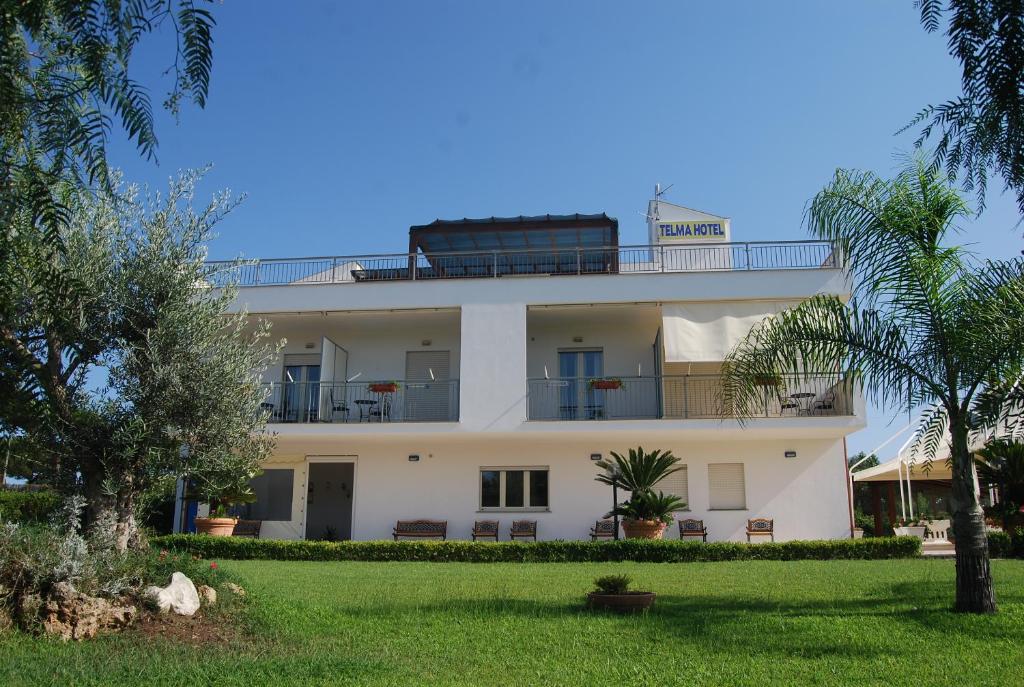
{"type": "Point", "coordinates": [681, 397]}
{"type": "Point", "coordinates": [492, 264]}
{"type": "Point", "coordinates": [351, 402]}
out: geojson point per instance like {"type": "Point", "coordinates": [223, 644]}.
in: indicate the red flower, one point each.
{"type": "Point", "coordinates": [213, 565]}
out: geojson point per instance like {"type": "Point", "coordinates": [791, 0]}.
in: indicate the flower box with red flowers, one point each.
{"type": "Point", "coordinates": [383, 387]}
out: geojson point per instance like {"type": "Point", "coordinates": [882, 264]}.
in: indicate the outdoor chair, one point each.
{"type": "Point", "coordinates": [338, 406]}
{"type": "Point", "coordinates": [693, 528]}
{"type": "Point", "coordinates": [788, 404]}
{"type": "Point", "coordinates": [827, 402]}
{"type": "Point", "coordinates": [421, 528]}
{"type": "Point", "coordinates": [523, 529]}
{"type": "Point", "coordinates": [485, 529]}
{"type": "Point", "coordinates": [760, 527]}
{"type": "Point", "coordinates": [249, 529]}
{"type": "Point", "coordinates": [602, 529]}
{"type": "Point", "coordinates": [382, 411]}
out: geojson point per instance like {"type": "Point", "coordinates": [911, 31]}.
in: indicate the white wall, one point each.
{"type": "Point", "coordinates": [625, 335]}
{"type": "Point", "coordinates": [805, 495]}
{"type": "Point", "coordinates": [376, 346]}
{"type": "Point", "coordinates": [494, 367]}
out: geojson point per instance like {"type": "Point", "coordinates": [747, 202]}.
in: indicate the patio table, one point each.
{"type": "Point", "coordinates": [804, 399]}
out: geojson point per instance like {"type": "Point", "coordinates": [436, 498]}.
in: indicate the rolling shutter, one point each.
{"type": "Point", "coordinates": [727, 489]}
{"type": "Point", "coordinates": [677, 484]}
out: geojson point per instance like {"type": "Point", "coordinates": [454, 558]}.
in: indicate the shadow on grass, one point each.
{"type": "Point", "coordinates": [752, 625]}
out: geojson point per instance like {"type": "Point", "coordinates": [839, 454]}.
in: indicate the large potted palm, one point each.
{"type": "Point", "coordinates": [645, 514]}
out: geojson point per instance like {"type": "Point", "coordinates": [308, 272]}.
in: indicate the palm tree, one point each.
{"type": "Point", "coordinates": [928, 327]}
{"type": "Point", "coordinates": [638, 474]}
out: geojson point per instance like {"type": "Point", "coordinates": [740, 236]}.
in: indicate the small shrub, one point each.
{"type": "Point", "coordinates": [613, 584]}
{"type": "Point", "coordinates": [28, 505]}
{"type": "Point", "coordinates": [1000, 545]}
{"type": "Point", "coordinates": [638, 550]}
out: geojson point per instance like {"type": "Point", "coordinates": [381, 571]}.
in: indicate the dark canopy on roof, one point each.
{"type": "Point", "coordinates": [558, 232]}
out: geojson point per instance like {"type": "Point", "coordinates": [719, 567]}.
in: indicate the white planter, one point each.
{"type": "Point", "coordinates": [858, 533]}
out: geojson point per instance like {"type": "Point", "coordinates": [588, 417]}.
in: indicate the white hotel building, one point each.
{"type": "Point", "coordinates": [494, 331]}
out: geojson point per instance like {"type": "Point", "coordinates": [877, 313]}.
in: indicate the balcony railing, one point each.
{"type": "Point", "coordinates": [783, 255]}
{"type": "Point", "coordinates": [352, 402]}
{"type": "Point", "coordinates": [681, 397]}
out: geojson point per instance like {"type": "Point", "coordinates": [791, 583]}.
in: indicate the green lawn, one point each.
{"type": "Point", "coordinates": [742, 623]}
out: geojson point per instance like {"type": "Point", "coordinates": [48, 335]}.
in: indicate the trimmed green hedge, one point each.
{"type": "Point", "coordinates": [24, 505]}
{"type": "Point", "coordinates": [538, 552]}
{"type": "Point", "coordinates": [1006, 545]}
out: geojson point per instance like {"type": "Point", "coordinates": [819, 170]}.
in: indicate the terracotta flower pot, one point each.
{"type": "Point", "coordinates": [606, 384]}
{"type": "Point", "coordinates": [216, 527]}
{"type": "Point", "coordinates": [630, 602]}
{"type": "Point", "coordinates": [383, 388]}
{"type": "Point", "coordinates": [643, 529]}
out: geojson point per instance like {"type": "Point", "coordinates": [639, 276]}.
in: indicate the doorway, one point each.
{"type": "Point", "coordinates": [300, 400]}
{"type": "Point", "coordinates": [578, 400]}
{"type": "Point", "coordinates": [428, 389]}
{"type": "Point", "coordinates": [329, 489]}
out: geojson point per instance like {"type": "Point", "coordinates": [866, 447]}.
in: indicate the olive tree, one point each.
{"type": "Point", "coordinates": [130, 368]}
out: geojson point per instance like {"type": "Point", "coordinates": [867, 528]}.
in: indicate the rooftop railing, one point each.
{"type": "Point", "coordinates": [353, 269]}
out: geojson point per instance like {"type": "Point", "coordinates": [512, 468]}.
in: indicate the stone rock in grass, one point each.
{"type": "Point", "coordinates": [180, 596]}
{"type": "Point", "coordinates": [70, 614]}
{"type": "Point", "coordinates": [234, 589]}
{"type": "Point", "coordinates": [207, 594]}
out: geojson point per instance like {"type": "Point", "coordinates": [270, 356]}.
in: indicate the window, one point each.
{"type": "Point", "coordinates": [273, 490]}
{"type": "Point", "coordinates": [677, 484]}
{"type": "Point", "coordinates": [513, 489]}
{"type": "Point", "coordinates": [726, 487]}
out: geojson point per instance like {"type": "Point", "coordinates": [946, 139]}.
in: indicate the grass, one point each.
{"type": "Point", "coordinates": [741, 623]}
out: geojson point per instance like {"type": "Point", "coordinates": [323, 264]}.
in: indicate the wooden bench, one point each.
{"type": "Point", "coordinates": [421, 528]}
{"type": "Point", "coordinates": [523, 529]}
{"type": "Point", "coordinates": [691, 527]}
{"type": "Point", "coordinates": [602, 529]}
{"type": "Point", "coordinates": [760, 527]}
{"type": "Point", "coordinates": [247, 528]}
{"type": "Point", "coordinates": [486, 529]}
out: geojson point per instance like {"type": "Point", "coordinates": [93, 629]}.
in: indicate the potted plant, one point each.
{"type": "Point", "coordinates": [612, 593]}
{"type": "Point", "coordinates": [646, 514]}
{"type": "Point", "coordinates": [606, 383]}
{"type": "Point", "coordinates": [383, 387]}
{"type": "Point", "coordinates": [220, 522]}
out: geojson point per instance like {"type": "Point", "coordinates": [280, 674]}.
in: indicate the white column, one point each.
{"type": "Point", "coordinates": [492, 379]}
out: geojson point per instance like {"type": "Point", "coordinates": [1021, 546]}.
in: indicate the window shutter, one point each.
{"type": "Point", "coordinates": [726, 486]}
{"type": "Point", "coordinates": [677, 484]}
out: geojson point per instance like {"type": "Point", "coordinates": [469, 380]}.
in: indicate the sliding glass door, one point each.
{"type": "Point", "coordinates": [301, 397]}
{"type": "Point", "coordinates": [575, 370]}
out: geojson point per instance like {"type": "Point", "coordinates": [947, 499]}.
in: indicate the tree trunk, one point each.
{"type": "Point", "coordinates": [975, 592]}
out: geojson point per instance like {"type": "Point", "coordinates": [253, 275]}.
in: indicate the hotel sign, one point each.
{"type": "Point", "coordinates": [692, 231]}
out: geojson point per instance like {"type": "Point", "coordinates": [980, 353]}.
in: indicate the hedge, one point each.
{"type": "Point", "coordinates": [1006, 545]}
{"type": "Point", "coordinates": [27, 505]}
{"type": "Point", "coordinates": [673, 551]}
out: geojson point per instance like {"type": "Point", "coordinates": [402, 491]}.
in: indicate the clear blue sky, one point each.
{"type": "Point", "coordinates": [346, 123]}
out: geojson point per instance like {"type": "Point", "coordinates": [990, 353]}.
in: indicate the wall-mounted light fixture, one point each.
{"type": "Point", "coordinates": [426, 342]}
{"type": "Point", "coordinates": [791, 454]}
{"type": "Point", "coordinates": [595, 456]}
{"type": "Point", "coordinates": [577, 339]}
{"type": "Point", "coordinates": [310, 346]}
{"type": "Point", "coordinates": [414, 458]}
